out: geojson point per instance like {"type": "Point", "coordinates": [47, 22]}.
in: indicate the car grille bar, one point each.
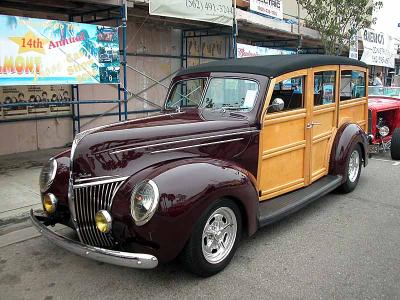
{"type": "Point", "coordinates": [89, 198]}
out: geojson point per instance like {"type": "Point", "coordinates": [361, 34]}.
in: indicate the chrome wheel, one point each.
{"type": "Point", "coordinates": [219, 235]}
{"type": "Point", "coordinates": [354, 166]}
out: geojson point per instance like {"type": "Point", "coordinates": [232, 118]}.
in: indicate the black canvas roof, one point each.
{"type": "Point", "coordinates": [272, 65]}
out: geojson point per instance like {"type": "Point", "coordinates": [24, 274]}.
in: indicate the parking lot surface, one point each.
{"type": "Point", "coordinates": [339, 247]}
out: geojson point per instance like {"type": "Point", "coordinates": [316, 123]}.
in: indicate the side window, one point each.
{"type": "Point", "coordinates": [186, 93]}
{"type": "Point", "coordinates": [352, 85]}
{"type": "Point", "coordinates": [291, 91]}
{"type": "Point", "coordinates": [324, 87]}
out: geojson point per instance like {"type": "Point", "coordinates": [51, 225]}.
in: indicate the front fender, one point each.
{"type": "Point", "coordinates": [348, 135]}
{"type": "Point", "coordinates": [186, 189]}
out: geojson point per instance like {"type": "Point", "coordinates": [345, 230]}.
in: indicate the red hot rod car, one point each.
{"type": "Point", "coordinates": [384, 120]}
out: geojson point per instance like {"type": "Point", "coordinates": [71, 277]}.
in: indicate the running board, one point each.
{"type": "Point", "coordinates": [277, 208]}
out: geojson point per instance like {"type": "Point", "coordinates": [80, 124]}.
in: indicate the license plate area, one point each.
{"type": "Point", "coordinates": [373, 148]}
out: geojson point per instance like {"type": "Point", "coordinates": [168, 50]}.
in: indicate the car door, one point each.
{"type": "Point", "coordinates": [284, 149]}
{"type": "Point", "coordinates": [323, 115]}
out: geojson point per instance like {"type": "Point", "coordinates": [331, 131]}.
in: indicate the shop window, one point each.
{"type": "Point", "coordinates": [324, 87]}
{"type": "Point", "coordinates": [352, 85]}
{"type": "Point", "coordinates": [291, 91]}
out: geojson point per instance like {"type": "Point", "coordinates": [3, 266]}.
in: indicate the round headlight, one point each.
{"type": "Point", "coordinates": [144, 200]}
{"type": "Point", "coordinates": [384, 131]}
{"type": "Point", "coordinates": [47, 174]}
{"type": "Point", "coordinates": [49, 203]}
{"type": "Point", "coordinates": [103, 221]}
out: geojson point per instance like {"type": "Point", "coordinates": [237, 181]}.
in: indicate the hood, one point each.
{"type": "Point", "coordinates": [124, 148]}
{"type": "Point", "coordinates": [379, 103]}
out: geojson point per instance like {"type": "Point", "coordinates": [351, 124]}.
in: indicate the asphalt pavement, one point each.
{"type": "Point", "coordinates": [340, 247]}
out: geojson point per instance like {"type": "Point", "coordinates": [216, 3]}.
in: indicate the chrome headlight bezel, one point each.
{"type": "Point", "coordinates": [141, 220]}
{"type": "Point", "coordinates": [50, 168]}
{"type": "Point", "coordinates": [384, 131]}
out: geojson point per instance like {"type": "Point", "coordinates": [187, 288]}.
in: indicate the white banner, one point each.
{"type": "Point", "coordinates": [212, 11]}
{"type": "Point", "coordinates": [244, 50]}
{"type": "Point", "coordinates": [272, 8]}
{"type": "Point", "coordinates": [379, 49]}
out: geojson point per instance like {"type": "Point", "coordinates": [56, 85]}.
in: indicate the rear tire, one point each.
{"type": "Point", "coordinates": [395, 145]}
{"type": "Point", "coordinates": [353, 170]}
{"type": "Point", "coordinates": [214, 240]}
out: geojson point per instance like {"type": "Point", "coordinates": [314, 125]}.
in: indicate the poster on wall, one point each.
{"type": "Point", "coordinates": [35, 100]}
{"type": "Point", "coordinates": [51, 52]}
{"type": "Point", "coordinates": [353, 49]}
{"type": "Point", "coordinates": [271, 8]}
{"type": "Point", "coordinates": [244, 50]}
{"type": "Point", "coordinates": [379, 49]}
{"type": "Point", "coordinates": [212, 11]}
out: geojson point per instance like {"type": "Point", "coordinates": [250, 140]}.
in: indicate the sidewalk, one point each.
{"type": "Point", "coordinates": [19, 184]}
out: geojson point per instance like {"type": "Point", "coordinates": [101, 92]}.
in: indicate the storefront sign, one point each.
{"type": "Point", "coordinates": [244, 50]}
{"type": "Point", "coordinates": [42, 52]}
{"type": "Point", "coordinates": [272, 8]}
{"type": "Point", "coordinates": [379, 49]}
{"type": "Point", "coordinates": [212, 11]}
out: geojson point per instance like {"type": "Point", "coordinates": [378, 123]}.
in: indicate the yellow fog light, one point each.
{"type": "Point", "coordinates": [103, 221]}
{"type": "Point", "coordinates": [49, 203]}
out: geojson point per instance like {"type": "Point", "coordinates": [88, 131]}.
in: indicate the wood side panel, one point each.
{"type": "Point", "coordinates": [283, 170]}
{"type": "Point", "coordinates": [280, 134]}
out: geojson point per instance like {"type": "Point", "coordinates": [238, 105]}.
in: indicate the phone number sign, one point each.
{"type": "Point", "coordinates": [212, 11]}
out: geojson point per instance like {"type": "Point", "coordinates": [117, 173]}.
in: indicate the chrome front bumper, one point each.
{"type": "Point", "coordinates": [125, 259]}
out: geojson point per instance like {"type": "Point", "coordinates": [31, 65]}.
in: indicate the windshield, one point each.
{"type": "Point", "coordinates": [387, 91]}
{"type": "Point", "coordinates": [186, 93]}
{"type": "Point", "coordinates": [231, 93]}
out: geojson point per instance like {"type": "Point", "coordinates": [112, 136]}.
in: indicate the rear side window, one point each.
{"type": "Point", "coordinates": [352, 85]}
{"type": "Point", "coordinates": [324, 87]}
{"type": "Point", "coordinates": [291, 91]}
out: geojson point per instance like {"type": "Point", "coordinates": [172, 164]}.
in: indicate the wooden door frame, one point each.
{"type": "Point", "coordinates": [264, 116]}
{"type": "Point", "coordinates": [312, 71]}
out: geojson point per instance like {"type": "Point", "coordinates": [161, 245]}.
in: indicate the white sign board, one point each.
{"type": "Point", "coordinates": [379, 49]}
{"type": "Point", "coordinates": [212, 11]}
{"type": "Point", "coordinates": [272, 8]}
{"type": "Point", "coordinates": [244, 50]}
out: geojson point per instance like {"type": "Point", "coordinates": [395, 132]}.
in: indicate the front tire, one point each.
{"type": "Point", "coordinates": [214, 240]}
{"type": "Point", "coordinates": [395, 145]}
{"type": "Point", "coordinates": [353, 170]}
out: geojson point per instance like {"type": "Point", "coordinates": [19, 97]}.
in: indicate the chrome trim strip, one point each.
{"type": "Point", "coordinates": [125, 259]}
{"type": "Point", "coordinates": [75, 186]}
{"type": "Point", "coordinates": [197, 145]}
{"type": "Point", "coordinates": [183, 141]}
{"type": "Point", "coordinates": [93, 178]}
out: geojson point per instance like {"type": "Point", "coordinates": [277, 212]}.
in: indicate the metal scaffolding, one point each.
{"type": "Point", "coordinates": [118, 15]}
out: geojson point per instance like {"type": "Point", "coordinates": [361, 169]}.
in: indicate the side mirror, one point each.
{"type": "Point", "coordinates": [277, 104]}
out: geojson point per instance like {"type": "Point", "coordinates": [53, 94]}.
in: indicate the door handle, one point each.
{"type": "Point", "coordinates": [312, 124]}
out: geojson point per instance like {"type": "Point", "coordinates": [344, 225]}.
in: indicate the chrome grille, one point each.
{"type": "Point", "coordinates": [89, 198]}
